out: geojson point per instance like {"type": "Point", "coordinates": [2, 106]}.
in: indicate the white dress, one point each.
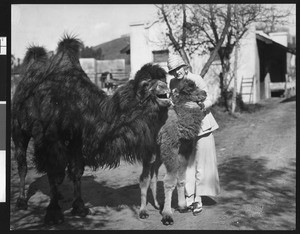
{"type": "Point", "coordinates": [202, 177]}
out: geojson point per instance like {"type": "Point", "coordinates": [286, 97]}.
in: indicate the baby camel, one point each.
{"type": "Point", "coordinates": [175, 141]}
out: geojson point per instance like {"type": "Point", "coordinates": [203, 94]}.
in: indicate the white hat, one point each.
{"type": "Point", "coordinates": [175, 61]}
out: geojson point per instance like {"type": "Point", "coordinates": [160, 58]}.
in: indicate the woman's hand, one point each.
{"type": "Point", "coordinates": [194, 105]}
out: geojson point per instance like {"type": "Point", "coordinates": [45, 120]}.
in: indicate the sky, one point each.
{"type": "Point", "coordinates": [44, 24]}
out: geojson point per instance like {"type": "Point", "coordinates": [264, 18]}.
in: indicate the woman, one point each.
{"type": "Point", "coordinates": [202, 178]}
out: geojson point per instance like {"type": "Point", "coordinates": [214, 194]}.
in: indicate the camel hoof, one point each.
{"type": "Point", "coordinates": [79, 209]}
{"type": "Point", "coordinates": [60, 196]}
{"type": "Point", "coordinates": [54, 217]}
{"type": "Point", "coordinates": [21, 204]}
{"type": "Point", "coordinates": [144, 214]}
{"type": "Point", "coordinates": [167, 220]}
{"type": "Point", "coordinates": [82, 212]}
{"type": "Point", "coordinates": [158, 207]}
{"type": "Point", "coordinates": [183, 210]}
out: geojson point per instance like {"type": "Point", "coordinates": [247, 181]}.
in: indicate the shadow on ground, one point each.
{"type": "Point", "coordinates": [103, 201]}
{"type": "Point", "coordinates": [290, 99]}
{"type": "Point", "coordinates": [256, 196]}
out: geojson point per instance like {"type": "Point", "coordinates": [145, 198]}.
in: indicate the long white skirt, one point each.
{"type": "Point", "coordinates": [202, 177]}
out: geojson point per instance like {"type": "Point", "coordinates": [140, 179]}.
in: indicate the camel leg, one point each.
{"type": "Point", "coordinates": [21, 143]}
{"type": "Point", "coordinates": [182, 207]}
{"type": "Point", "coordinates": [153, 183]}
{"type": "Point", "coordinates": [144, 185]}
{"type": "Point", "coordinates": [56, 155]}
{"type": "Point", "coordinates": [54, 214]}
{"type": "Point", "coordinates": [75, 171]}
{"type": "Point", "coordinates": [169, 185]}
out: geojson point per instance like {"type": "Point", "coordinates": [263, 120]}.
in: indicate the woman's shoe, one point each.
{"type": "Point", "coordinates": [190, 207]}
{"type": "Point", "coordinates": [186, 209]}
{"type": "Point", "coordinates": [197, 208]}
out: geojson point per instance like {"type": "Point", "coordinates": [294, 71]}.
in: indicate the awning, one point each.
{"type": "Point", "coordinates": [270, 41]}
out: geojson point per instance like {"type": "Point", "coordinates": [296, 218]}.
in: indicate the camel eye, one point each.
{"type": "Point", "coordinates": [145, 84]}
{"type": "Point", "coordinates": [160, 86]}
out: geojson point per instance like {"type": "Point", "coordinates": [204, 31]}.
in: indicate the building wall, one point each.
{"type": "Point", "coordinates": [265, 90]}
{"type": "Point", "coordinates": [280, 37]}
{"type": "Point", "coordinates": [94, 69]}
{"type": "Point", "coordinates": [110, 65]}
{"type": "Point", "coordinates": [211, 77]}
{"type": "Point", "coordinates": [140, 51]}
{"type": "Point", "coordinates": [89, 66]}
{"type": "Point", "coordinates": [257, 96]}
{"type": "Point", "coordinates": [248, 66]}
{"type": "Point", "coordinates": [291, 65]}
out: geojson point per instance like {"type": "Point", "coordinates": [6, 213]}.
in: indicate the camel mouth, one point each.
{"type": "Point", "coordinates": [161, 92]}
{"type": "Point", "coordinates": [162, 96]}
{"type": "Point", "coordinates": [163, 100]}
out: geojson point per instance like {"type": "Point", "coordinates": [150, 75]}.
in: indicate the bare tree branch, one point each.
{"type": "Point", "coordinates": [212, 23]}
{"type": "Point", "coordinates": [183, 26]}
{"type": "Point", "coordinates": [195, 28]}
{"type": "Point", "coordinates": [219, 43]}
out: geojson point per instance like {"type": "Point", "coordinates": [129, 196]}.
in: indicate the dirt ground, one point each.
{"type": "Point", "coordinates": [257, 167]}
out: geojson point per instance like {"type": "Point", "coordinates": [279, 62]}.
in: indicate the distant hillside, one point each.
{"type": "Point", "coordinates": [113, 49]}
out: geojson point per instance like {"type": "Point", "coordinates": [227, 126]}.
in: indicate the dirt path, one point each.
{"type": "Point", "coordinates": [257, 167]}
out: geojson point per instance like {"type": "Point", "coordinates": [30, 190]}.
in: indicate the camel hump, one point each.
{"type": "Point", "coordinates": [35, 53]}
{"type": "Point", "coordinates": [70, 44]}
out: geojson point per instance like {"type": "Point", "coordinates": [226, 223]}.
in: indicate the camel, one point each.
{"type": "Point", "coordinates": [75, 124]}
{"type": "Point", "coordinates": [175, 142]}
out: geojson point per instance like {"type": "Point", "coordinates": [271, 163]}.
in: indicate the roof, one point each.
{"type": "Point", "coordinates": [266, 39]}
{"type": "Point", "coordinates": [126, 49]}
{"type": "Point", "coordinates": [112, 49]}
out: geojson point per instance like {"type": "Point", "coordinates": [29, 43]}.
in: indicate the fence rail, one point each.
{"type": "Point", "coordinates": [289, 88]}
{"type": "Point", "coordinates": [282, 85]}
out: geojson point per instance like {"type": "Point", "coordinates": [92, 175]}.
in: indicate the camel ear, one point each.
{"type": "Point", "coordinates": [143, 86]}
{"type": "Point", "coordinates": [175, 91]}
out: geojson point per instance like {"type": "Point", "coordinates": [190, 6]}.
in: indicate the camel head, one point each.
{"type": "Point", "coordinates": [150, 84]}
{"type": "Point", "coordinates": [187, 90]}
{"type": "Point", "coordinates": [155, 90]}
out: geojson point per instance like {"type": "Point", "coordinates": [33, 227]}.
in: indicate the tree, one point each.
{"type": "Point", "coordinates": [273, 17]}
{"type": "Point", "coordinates": [212, 27]}
{"type": "Point", "coordinates": [235, 18]}
{"type": "Point", "coordinates": [89, 52]}
{"type": "Point", "coordinates": [15, 64]}
{"type": "Point", "coordinates": [12, 61]}
{"type": "Point", "coordinates": [175, 18]}
{"type": "Point", "coordinates": [183, 37]}
{"type": "Point", "coordinates": [213, 17]}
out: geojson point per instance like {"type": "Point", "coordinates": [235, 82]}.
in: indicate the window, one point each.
{"type": "Point", "coordinates": [225, 51]}
{"type": "Point", "coordinates": [160, 56]}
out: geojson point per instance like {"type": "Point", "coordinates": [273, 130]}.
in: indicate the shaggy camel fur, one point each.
{"type": "Point", "coordinates": [176, 141]}
{"type": "Point", "coordinates": [75, 124]}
